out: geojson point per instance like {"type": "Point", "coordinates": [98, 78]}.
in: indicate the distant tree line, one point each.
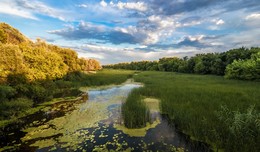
{"type": "Point", "coordinates": [241, 63]}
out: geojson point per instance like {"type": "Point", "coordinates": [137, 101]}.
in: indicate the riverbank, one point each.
{"type": "Point", "coordinates": [60, 90]}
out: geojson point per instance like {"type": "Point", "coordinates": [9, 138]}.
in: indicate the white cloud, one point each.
{"type": "Point", "coordinates": [28, 9]}
{"type": "Point", "coordinates": [151, 30]}
{"type": "Point", "coordinates": [253, 16]}
{"type": "Point", "coordinates": [103, 3]}
{"type": "Point", "coordinates": [9, 7]}
{"type": "Point", "coordinates": [196, 38]}
{"type": "Point", "coordinates": [220, 22]}
{"type": "Point", "coordinates": [139, 6]}
{"type": "Point", "coordinates": [89, 55]}
{"type": "Point", "coordinates": [82, 5]}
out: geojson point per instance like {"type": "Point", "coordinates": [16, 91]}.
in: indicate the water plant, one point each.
{"type": "Point", "coordinates": [134, 111]}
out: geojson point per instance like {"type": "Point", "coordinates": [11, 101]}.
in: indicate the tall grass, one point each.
{"type": "Point", "coordinates": [194, 103]}
{"type": "Point", "coordinates": [134, 111]}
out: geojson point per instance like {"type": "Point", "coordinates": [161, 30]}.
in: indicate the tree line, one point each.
{"type": "Point", "coordinates": [242, 63]}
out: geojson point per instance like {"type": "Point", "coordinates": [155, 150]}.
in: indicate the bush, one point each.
{"type": "Point", "coordinates": [16, 78]}
{"type": "Point", "coordinates": [39, 93]}
{"type": "Point", "coordinates": [14, 107]}
{"type": "Point", "coordinates": [6, 92]}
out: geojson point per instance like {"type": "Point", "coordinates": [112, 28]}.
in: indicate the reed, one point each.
{"type": "Point", "coordinates": [134, 111]}
{"type": "Point", "coordinates": [195, 104]}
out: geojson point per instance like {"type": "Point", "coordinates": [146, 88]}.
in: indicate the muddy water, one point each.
{"type": "Point", "coordinates": [95, 125]}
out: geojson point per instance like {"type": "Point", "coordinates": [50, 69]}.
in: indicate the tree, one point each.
{"type": "Point", "coordinates": [245, 69]}
{"type": "Point", "coordinates": [3, 36]}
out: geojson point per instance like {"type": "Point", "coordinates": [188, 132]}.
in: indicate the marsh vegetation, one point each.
{"type": "Point", "coordinates": [224, 113]}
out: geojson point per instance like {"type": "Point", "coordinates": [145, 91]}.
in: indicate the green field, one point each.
{"type": "Point", "coordinates": [221, 112]}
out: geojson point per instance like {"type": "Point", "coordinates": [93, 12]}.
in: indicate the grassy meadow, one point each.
{"type": "Point", "coordinates": [221, 112]}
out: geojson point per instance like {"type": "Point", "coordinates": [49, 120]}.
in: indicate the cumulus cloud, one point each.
{"type": "Point", "coordinates": [103, 3]}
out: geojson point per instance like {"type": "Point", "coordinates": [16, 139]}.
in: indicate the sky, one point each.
{"type": "Point", "coordinates": [114, 31]}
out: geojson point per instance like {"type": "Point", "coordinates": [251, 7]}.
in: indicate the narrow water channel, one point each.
{"type": "Point", "coordinates": [95, 125]}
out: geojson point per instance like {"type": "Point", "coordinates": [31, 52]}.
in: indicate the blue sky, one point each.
{"type": "Point", "coordinates": [115, 31]}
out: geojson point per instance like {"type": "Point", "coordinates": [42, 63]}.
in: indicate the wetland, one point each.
{"type": "Point", "coordinates": [96, 124]}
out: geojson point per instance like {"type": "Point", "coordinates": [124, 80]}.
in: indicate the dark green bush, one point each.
{"type": "Point", "coordinates": [14, 107]}
{"type": "Point", "coordinates": [38, 93]}
{"type": "Point", "coordinates": [6, 92]}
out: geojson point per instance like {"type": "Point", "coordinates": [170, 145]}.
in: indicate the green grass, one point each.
{"type": "Point", "coordinates": [134, 111]}
{"type": "Point", "coordinates": [224, 113]}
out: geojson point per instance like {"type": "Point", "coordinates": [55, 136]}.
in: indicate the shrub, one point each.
{"type": "Point", "coordinates": [6, 92]}
{"type": "Point", "coordinates": [14, 107]}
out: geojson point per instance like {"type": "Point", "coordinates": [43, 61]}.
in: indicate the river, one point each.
{"type": "Point", "coordinates": [95, 124]}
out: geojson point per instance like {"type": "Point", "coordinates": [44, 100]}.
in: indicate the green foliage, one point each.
{"type": "Point", "coordinates": [243, 128]}
{"type": "Point", "coordinates": [14, 107]}
{"type": "Point", "coordinates": [193, 102]}
{"type": "Point", "coordinates": [6, 92]}
{"type": "Point", "coordinates": [134, 111]}
{"type": "Point", "coordinates": [14, 79]}
{"type": "Point", "coordinates": [245, 69]}
{"type": "Point", "coordinates": [38, 93]}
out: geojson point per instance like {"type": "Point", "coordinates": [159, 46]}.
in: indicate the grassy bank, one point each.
{"type": "Point", "coordinates": [22, 99]}
{"type": "Point", "coordinates": [224, 113]}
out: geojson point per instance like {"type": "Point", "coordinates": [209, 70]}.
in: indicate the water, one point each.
{"type": "Point", "coordinates": [95, 125]}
